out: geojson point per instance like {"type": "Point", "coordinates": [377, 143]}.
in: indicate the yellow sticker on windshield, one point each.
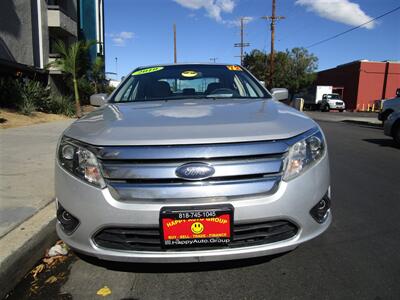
{"type": "Point", "coordinates": [189, 74]}
{"type": "Point", "coordinates": [148, 70]}
{"type": "Point", "coordinates": [234, 68]}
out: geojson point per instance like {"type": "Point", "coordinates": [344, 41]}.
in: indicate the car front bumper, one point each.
{"type": "Point", "coordinates": [96, 209]}
{"type": "Point", "coordinates": [337, 106]}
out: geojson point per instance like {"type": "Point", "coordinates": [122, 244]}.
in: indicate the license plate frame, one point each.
{"type": "Point", "coordinates": [213, 226]}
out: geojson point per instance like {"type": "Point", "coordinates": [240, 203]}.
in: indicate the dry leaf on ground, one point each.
{"type": "Point", "coordinates": [37, 270]}
{"type": "Point", "coordinates": [52, 261]}
{"type": "Point", "coordinates": [104, 291]}
{"type": "Point", "coordinates": [51, 279]}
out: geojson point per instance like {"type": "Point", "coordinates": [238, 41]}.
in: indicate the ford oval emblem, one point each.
{"type": "Point", "coordinates": [195, 171]}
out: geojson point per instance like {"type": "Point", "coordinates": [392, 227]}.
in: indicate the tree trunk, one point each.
{"type": "Point", "coordinates": [77, 101]}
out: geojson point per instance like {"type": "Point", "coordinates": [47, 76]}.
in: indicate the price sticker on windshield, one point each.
{"type": "Point", "coordinates": [148, 70]}
{"type": "Point", "coordinates": [189, 74]}
{"type": "Point", "coordinates": [234, 68]}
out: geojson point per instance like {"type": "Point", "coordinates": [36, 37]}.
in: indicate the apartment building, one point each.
{"type": "Point", "coordinates": [29, 30]}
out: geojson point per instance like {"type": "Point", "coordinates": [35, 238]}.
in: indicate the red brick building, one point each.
{"type": "Point", "coordinates": [362, 82]}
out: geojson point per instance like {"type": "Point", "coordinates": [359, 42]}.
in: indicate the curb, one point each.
{"type": "Point", "coordinates": [22, 247]}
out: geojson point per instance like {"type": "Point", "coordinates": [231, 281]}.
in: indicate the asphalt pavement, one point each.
{"type": "Point", "coordinates": [370, 118]}
{"type": "Point", "coordinates": [357, 258]}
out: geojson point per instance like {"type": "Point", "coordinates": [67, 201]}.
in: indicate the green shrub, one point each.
{"type": "Point", "coordinates": [26, 106]}
{"type": "Point", "coordinates": [62, 105]}
{"type": "Point", "coordinates": [86, 89]}
{"type": "Point", "coordinates": [25, 97]}
{"type": "Point", "coordinates": [108, 89]}
{"type": "Point", "coordinates": [38, 94]}
{"type": "Point", "coordinates": [10, 92]}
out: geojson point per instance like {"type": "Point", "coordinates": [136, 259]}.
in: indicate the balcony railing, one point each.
{"type": "Point", "coordinates": [58, 18]}
{"type": "Point", "coordinates": [52, 68]}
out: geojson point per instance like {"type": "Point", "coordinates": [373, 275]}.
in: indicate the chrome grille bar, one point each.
{"type": "Point", "coordinates": [148, 172]}
{"type": "Point", "coordinates": [191, 152]}
{"type": "Point", "coordinates": [200, 189]}
{"type": "Point", "coordinates": [152, 170]}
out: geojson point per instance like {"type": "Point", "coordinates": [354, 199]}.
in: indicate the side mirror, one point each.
{"type": "Point", "coordinates": [98, 99]}
{"type": "Point", "coordinates": [398, 92]}
{"type": "Point", "coordinates": [280, 94]}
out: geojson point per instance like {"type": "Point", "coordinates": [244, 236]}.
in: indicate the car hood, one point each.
{"type": "Point", "coordinates": [189, 122]}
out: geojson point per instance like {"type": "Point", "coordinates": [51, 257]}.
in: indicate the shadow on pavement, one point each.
{"type": "Point", "coordinates": [177, 267]}
{"type": "Point", "coordinates": [364, 124]}
{"type": "Point", "coordinates": [382, 142]}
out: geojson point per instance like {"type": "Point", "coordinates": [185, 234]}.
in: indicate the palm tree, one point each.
{"type": "Point", "coordinates": [69, 63]}
{"type": "Point", "coordinates": [98, 75]}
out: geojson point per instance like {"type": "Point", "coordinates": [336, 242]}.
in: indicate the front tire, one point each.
{"type": "Point", "coordinates": [340, 110]}
{"type": "Point", "coordinates": [325, 108]}
{"type": "Point", "coordinates": [385, 115]}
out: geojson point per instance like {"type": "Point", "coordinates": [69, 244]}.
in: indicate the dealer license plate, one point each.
{"type": "Point", "coordinates": [196, 226]}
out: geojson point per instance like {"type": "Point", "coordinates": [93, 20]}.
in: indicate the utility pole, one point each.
{"type": "Point", "coordinates": [116, 68]}
{"type": "Point", "coordinates": [273, 19]}
{"type": "Point", "coordinates": [213, 59]}
{"type": "Point", "coordinates": [242, 44]}
{"type": "Point", "coordinates": [175, 59]}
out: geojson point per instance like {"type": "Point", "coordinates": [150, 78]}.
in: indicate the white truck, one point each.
{"type": "Point", "coordinates": [313, 96]}
{"type": "Point", "coordinates": [322, 97]}
{"type": "Point", "coordinates": [320, 91]}
{"type": "Point", "coordinates": [332, 101]}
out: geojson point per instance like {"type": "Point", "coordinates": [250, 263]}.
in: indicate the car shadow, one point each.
{"type": "Point", "coordinates": [382, 142]}
{"type": "Point", "coordinates": [177, 267]}
{"type": "Point", "coordinates": [363, 124]}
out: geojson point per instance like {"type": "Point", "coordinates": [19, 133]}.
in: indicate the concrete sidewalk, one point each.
{"type": "Point", "coordinates": [26, 188]}
{"type": "Point", "coordinates": [27, 167]}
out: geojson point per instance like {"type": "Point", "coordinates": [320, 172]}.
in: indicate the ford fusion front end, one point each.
{"type": "Point", "coordinates": [152, 201]}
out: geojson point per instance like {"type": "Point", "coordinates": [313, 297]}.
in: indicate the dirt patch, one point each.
{"type": "Point", "coordinates": [11, 119]}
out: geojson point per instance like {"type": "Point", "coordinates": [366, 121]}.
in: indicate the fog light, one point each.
{"type": "Point", "coordinates": [320, 211]}
{"type": "Point", "coordinates": [68, 152]}
{"type": "Point", "coordinates": [67, 221]}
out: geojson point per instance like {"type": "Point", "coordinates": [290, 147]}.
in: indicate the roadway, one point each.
{"type": "Point", "coordinates": [357, 258]}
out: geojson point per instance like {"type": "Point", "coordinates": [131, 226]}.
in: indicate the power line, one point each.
{"type": "Point", "coordinates": [354, 28]}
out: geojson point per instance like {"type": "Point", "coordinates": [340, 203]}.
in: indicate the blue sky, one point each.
{"type": "Point", "coordinates": [139, 32]}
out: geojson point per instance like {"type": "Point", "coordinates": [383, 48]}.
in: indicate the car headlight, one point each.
{"type": "Point", "coordinates": [80, 162]}
{"type": "Point", "coordinates": [303, 154]}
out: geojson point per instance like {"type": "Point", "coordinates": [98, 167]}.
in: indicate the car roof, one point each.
{"type": "Point", "coordinates": [186, 64]}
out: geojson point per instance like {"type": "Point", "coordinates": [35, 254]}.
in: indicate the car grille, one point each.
{"type": "Point", "coordinates": [339, 103]}
{"type": "Point", "coordinates": [148, 239]}
{"type": "Point", "coordinates": [141, 172]}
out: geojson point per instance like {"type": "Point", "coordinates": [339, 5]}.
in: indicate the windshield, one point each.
{"type": "Point", "coordinates": [334, 96]}
{"type": "Point", "coordinates": [189, 81]}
